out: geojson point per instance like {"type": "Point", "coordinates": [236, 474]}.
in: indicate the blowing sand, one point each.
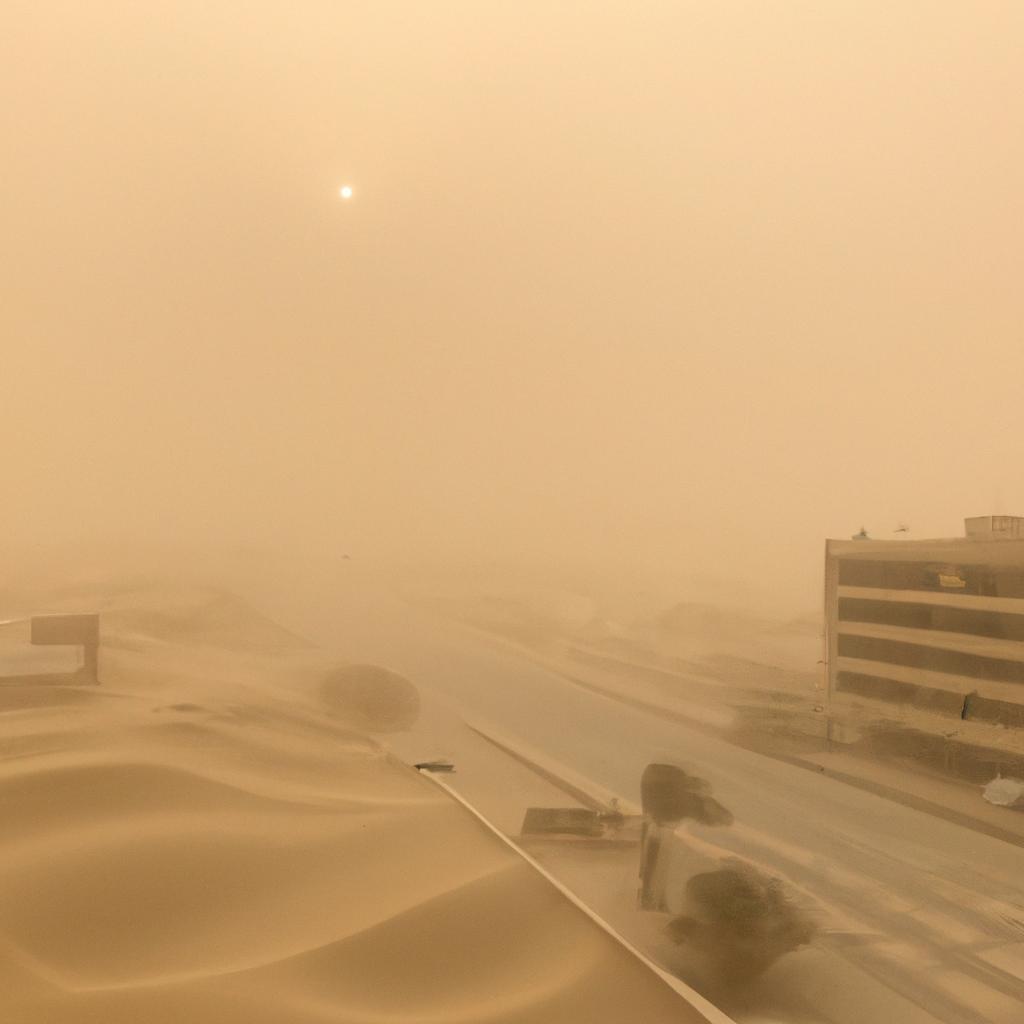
{"type": "Point", "coordinates": [211, 836]}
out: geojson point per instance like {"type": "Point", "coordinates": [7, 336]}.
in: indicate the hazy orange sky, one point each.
{"type": "Point", "coordinates": [689, 285]}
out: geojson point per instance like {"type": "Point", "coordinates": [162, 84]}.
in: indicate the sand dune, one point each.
{"type": "Point", "coordinates": [207, 836]}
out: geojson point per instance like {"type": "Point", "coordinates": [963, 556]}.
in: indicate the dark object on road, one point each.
{"type": "Point", "coordinates": [670, 795]}
{"type": "Point", "coordinates": [563, 821]}
{"type": "Point", "coordinates": [371, 698]}
{"type": "Point", "coordinates": [740, 921]}
{"type": "Point", "coordinates": [572, 821]}
{"type": "Point", "coordinates": [434, 766]}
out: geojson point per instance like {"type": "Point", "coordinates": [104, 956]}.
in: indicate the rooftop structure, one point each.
{"type": "Point", "coordinates": [994, 527]}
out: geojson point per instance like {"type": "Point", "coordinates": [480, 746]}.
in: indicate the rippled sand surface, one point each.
{"type": "Point", "coordinates": [212, 836]}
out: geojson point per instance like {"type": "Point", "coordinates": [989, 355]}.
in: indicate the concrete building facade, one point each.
{"type": "Point", "coordinates": [929, 626]}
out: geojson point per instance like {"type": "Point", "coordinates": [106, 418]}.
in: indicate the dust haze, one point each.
{"type": "Point", "coordinates": [678, 288]}
{"type": "Point", "coordinates": [422, 423]}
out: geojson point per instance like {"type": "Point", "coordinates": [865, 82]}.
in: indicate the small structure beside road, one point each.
{"type": "Point", "coordinates": [81, 630]}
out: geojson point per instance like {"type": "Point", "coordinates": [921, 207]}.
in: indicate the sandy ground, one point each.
{"type": "Point", "coordinates": [211, 835]}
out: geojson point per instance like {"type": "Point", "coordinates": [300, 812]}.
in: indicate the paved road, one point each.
{"type": "Point", "coordinates": [922, 920]}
